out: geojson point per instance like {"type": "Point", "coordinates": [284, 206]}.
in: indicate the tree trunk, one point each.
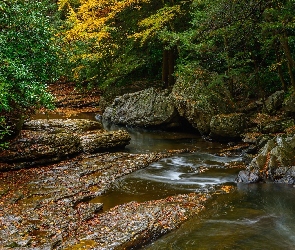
{"type": "Point", "coordinates": [279, 67]}
{"type": "Point", "coordinates": [171, 61]}
{"type": "Point", "coordinates": [290, 61]}
{"type": "Point", "coordinates": [169, 57]}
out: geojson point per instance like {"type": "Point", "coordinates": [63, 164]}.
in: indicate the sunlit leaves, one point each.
{"type": "Point", "coordinates": [156, 22]}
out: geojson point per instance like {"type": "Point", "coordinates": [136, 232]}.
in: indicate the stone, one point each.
{"type": "Point", "coordinates": [35, 147]}
{"type": "Point", "coordinates": [274, 102]}
{"type": "Point", "coordinates": [198, 103]}
{"type": "Point", "coordinates": [289, 104]}
{"type": "Point", "coordinates": [48, 141]}
{"type": "Point", "coordinates": [276, 158]}
{"type": "Point", "coordinates": [227, 126]}
{"type": "Point", "coordinates": [146, 108]}
{"type": "Point", "coordinates": [95, 141]}
{"type": "Point", "coordinates": [73, 125]}
{"type": "Point", "coordinates": [246, 176]}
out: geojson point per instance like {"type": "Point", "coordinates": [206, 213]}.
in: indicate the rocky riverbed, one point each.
{"type": "Point", "coordinates": [49, 207]}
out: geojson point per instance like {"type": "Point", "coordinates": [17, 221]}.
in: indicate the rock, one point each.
{"type": "Point", "coordinates": [97, 140]}
{"type": "Point", "coordinates": [73, 125]}
{"type": "Point", "coordinates": [54, 140]}
{"type": "Point", "coordinates": [35, 147]}
{"type": "Point", "coordinates": [289, 104]}
{"type": "Point", "coordinates": [198, 103]}
{"type": "Point", "coordinates": [227, 126]}
{"type": "Point", "coordinates": [277, 126]}
{"type": "Point", "coordinates": [147, 108]}
{"type": "Point", "coordinates": [247, 177]}
{"type": "Point", "coordinates": [276, 158]}
{"type": "Point", "coordinates": [274, 102]}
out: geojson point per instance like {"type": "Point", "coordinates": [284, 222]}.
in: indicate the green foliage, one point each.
{"type": "Point", "coordinates": [4, 131]}
{"type": "Point", "coordinates": [28, 55]}
{"type": "Point", "coordinates": [241, 41]}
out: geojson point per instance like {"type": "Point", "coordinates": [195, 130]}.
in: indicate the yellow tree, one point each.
{"type": "Point", "coordinates": [96, 23]}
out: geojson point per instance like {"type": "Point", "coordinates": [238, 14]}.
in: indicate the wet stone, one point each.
{"type": "Point", "coordinates": [53, 209]}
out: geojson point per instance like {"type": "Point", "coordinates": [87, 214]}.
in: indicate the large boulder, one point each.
{"type": "Point", "coordinates": [274, 102]}
{"type": "Point", "coordinates": [198, 103]}
{"type": "Point", "coordinates": [276, 160]}
{"type": "Point", "coordinates": [146, 108]}
{"type": "Point", "coordinates": [227, 126]}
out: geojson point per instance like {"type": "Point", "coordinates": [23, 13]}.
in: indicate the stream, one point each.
{"type": "Point", "coordinates": [255, 216]}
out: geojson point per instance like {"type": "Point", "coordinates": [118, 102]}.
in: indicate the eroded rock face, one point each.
{"type": "Point", "coordinates": [275, 160]}
{"type": "Point", "coordinates": [73, 125]}
{"type": "Point", "coordinates": [35, 147]}
{"type": "Point", "coordinates": [47, 141]}
{"type": "Point", "coordinates": [101, 139]}
{"type": "Point", "coordinates": [199, 103]}
{"type": "Point", "coordinates": [227, 126]}
{"type": "Point", "coordinates": [147, 108]}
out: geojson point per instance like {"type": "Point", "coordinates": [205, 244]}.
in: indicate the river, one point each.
{"type": "Point", "coordinates": [255, 216]}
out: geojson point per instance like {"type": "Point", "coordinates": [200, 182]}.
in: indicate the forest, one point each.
{"type": "Point", "coordinates": [245, 46]}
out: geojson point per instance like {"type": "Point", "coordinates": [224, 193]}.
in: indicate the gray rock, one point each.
{"type": "Point", "coordinates": [102, 139]}
{"type": "Point", "coordinates": [227, 126]}
{"type": "Point", "coordinates": [246, 176]}
{"type": "Point", "coordinates": [274, 102]}
{"type": "Point", "coordinates": [41, 147]}
{"type": "Point", "coordinates": [198, 103]}
{"type": "Point", "coordinates": [289, 104]}
{"type": "Point", "coordinates": [276, 159]}
{"type": "Point", "coordinates": [147, 108]}
{"type": "Point", "coordinates": [73, 125]}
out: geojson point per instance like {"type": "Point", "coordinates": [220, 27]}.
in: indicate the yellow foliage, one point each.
{"type": "Point", "coordinates": [156, 22]}
{"type": "Point", "coordinates": [93, 18]}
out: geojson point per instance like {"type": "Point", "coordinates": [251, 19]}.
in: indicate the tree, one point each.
{"type": "Point", "coordinates": [234, 41]}
{"type": "Point", "coordinates": [28, 57]}
{"type": "Point", "coordinates": [111, 33]}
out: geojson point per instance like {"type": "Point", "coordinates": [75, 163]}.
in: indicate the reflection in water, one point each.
{"type": "Point", "coordinates": [258, 216]}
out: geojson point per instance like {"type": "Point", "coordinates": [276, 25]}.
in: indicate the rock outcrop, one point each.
{"type": "Point", "coordinates": [68, 125]}
{"type": "Point", "coordinates": [146, 108]}
{"type": "Point", "coordinates": [198, 103]}
{"type": "Point", "coordinates": [45, 141]}
{"type": "Point", "coordinates": [98, 140]}
{"type": "Point", "coordinates": [275, 161]}
{"type": "Point", "coordinates": [227, 126]}
{"type": "Point", "coordinates": [274, 102]}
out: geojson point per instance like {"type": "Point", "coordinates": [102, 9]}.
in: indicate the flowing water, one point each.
{"type": "Point", "coordinates": [255, 216]}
